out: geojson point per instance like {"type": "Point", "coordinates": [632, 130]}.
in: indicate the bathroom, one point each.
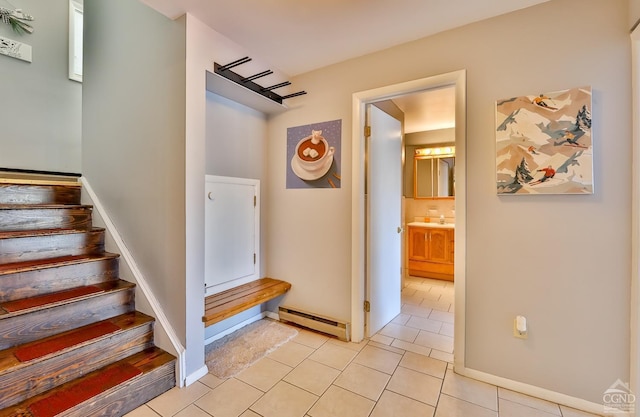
{"type": "Point", "coordinates": [429, 183]}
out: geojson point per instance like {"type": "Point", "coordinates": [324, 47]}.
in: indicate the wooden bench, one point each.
{"type": "Point", "coordinates": [225, 304]}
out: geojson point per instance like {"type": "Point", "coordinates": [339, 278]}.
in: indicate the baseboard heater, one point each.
{"type": "Point", "coordinates": [340, 329]}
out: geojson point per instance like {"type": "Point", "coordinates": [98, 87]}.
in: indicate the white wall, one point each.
{"type": "Point", "coordinates": [41, 109]}
{"type": "Point", "coordinates": [204, 46]}
{"type": "Point", "coordinates": [133, 138]}
{"type": "Point", "coordinates": [562, 261]}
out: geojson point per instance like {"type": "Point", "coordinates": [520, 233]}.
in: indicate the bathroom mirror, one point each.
{"type": "Point", "coordinates": [434, 172]}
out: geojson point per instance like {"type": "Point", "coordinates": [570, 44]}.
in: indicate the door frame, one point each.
{"type": "Point", "coordinates": [358, 207]}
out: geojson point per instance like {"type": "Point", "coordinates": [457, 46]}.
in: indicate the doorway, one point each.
{"type": "Point", "coordinates": [359, 243]}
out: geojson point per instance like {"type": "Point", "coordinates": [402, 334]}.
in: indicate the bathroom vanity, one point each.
{"type": "Point", "coordinates": [430, 250]}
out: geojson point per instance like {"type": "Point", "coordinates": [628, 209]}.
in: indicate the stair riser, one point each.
{"type": "Point", "coordinates": [50, 218]}
{"type": "Point", "coordinates": [20, 249]}
{"type": "Point", "coordinates": [128, 396]}
{"type": "Point", "coordinates": [48, 322]}
{"type": "Point", "coordinates": [39, 194]}
{"type": "Point", "coordinates": [30, 380]}
{"type": "Point", "coordinates": [42, 281]}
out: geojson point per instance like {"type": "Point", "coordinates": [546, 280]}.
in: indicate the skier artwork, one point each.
{"type": "Point", "coordinates": [544, 144]}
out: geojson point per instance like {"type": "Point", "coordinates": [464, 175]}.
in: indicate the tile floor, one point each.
{"type": "Point", "coordinates": [403, 371]}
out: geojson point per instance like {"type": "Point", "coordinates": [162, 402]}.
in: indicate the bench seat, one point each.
{"type": "Point", "coordinates": [225, 304]}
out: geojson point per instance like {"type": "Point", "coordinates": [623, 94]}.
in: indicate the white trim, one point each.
{"type": "Point", "coordinates": [191, 378]}
{"type": "Point", "coordinates": [360, 99]}
{"type": "Point", "coordinates": [533, 391]}
{"type": "Point", "coordinates": [76, 16]}
{"type": "Point", "coordinates": [634, 319]}
{"type": "Point", "coordinates": [234, 328]}
{"type": "Point", "coordinates": [141, 282]}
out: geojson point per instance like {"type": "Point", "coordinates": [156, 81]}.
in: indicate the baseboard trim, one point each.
{"type": "Point", "coordinates": [532, 390]}
{"type": "Point", "coordinates": [141, 282]}
{"type": "Point", "coordinates": [191, 378]}
{"type": "Point", "coordinates": [236, 327]}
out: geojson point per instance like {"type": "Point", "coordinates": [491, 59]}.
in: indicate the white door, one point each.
{"type": "Point", "coordinates": [384, 219]}
{"type": "Point", "coordinates": [231, 232]}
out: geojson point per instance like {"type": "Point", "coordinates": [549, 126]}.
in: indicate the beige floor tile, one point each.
{"type": "Point", "coordinates": [411, 347]}
{"type": "Point", "coordinates": [425, 324]}
{"type": "Point", "coordinates": [416, 310]}
{"type": "Point", "coordinates": [454, 407]}
{"type": "Point", "coordinates": [192, 411]}
{"type": "Point", "coordinates": [529, 401]}
{"type": "Point", "coordinates": [408, 291]}
{"type": "Point", "coordinates": [363, 381]}
{"type": "Point", "coordinates": [379, 359]}
{"type": "Point", "coordinates": [436, 305]}
{"type": "Point", "coordinates": [383, 340]}
{"type": "Point", "coordinates": [435, 341]}
{"type": "Point", "coordinates": [412, 299]}
{"type": "Point", "coordinates": [401, 318]}
{"type": "Point", "coordinates": [211, 380]}
{"type": "Point", "coordinates": [511, 409]}
{"type": "Point", "coordinates": [338, 402]}
{"type": "Point", "coordinates": [309, 338]}
{"type": "Point", "coordinates": [312, 376]}
{"type": "Point", "coordinates": [143, 411]}
{"type": "Point", "coordinates": [395, 405]}
{"type": "Point", "coordinates": [389, 348]}
{"type": "Point", "coordinates": [284, 400]}
{"type": "Point", "coordinates": [447, 329]}
{"type": "Point", "coordinates": [424, 364]}
{"type": "Point", "coordinates": [250, 413]}
{"type": "Point", "coordinates": [401, 332]}
{"type": "Point", "coordinates": [264, 374]}
{"type": "Point", "coordinates": [443, 315]}
{"type": "Point", "coordinates": [291, 353]}
{"type": "Point", "coordinates": [440, 355]}
{"type": "Point", "coordinates": [416, 385]}
{"type": "Point", "coordinates": [334, 356]}
{"type": "Point", "coordinates": [348, 345]}
{"type": "Point", "coordinates": [174, 400]}
{"type": "Point", "coordinates": [470, 390]}
{"type": "Point", "coordinates": [572, 412]}
{"type": "Point", "coordinates": [229, 399]}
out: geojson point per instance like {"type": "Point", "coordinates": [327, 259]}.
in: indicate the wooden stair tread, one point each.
{"type": "Point", "coordinates": [47, 206]}
{"type": "Point", "coordinates": [62, 297]}
{"type": "Point", "coordinates": [23, 181]}
{"type": "Point", "coordinates": [16, 267]}
{"type": "Point", "coordinates": [74, 393]}
{"type": "Point", "coordinates": [46, 232]}
{"type": "Point", "coordinates": [234, 300]}
{"type": "Point", "coordinates": [9, 361]}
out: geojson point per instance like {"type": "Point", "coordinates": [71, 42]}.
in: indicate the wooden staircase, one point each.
{"type": "Point", "coordinates": [71, 342]}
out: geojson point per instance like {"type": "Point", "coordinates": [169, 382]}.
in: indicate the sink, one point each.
{"type": "Point", "coordinates": [433, 224]}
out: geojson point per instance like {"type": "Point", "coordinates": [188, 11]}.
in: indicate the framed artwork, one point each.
{"type": "Point", "coordinates": [544, 143]}
{"type": "Point", "coordinates": [313, 155]}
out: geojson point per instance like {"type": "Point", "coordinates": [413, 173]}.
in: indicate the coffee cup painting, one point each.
{"type": "Point", "coordinates": [313, 155]}
{"type": "Point", "coordinates": [544, 144]}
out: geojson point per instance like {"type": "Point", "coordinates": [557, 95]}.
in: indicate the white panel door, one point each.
{"type": "Point", "coordinates": [230, 232]}
{"type": "Point", "coordinates": [384, 219]}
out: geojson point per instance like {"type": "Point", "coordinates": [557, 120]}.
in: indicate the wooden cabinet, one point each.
{"type": "Point", "coordinates": [430, 252]}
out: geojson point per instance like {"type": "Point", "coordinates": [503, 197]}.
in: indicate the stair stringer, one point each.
{"type": "Point", "coordinates": [165, 335]}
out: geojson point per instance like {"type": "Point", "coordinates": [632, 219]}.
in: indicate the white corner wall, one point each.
{"type": "Point", "coordinates": [562, 261]}
{"type": "Point", "coordinates": [133, 139]}
{"type": "Point", "coordinates": [204, 47]}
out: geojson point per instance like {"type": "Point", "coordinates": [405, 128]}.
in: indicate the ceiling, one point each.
{"type": "Point", "coordinates": [297, 36]}
{"type": "Point", "coordinates": [428, 110]}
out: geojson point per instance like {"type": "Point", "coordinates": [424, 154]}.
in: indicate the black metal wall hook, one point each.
{"type": "Point", "coordinates": [247, 82]}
